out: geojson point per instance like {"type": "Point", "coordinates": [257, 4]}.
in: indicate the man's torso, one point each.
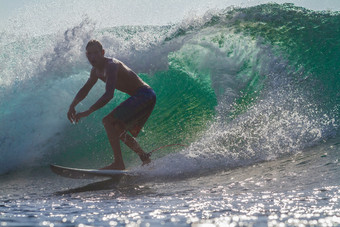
{"type": "Point", "coordinates": [127, 81]}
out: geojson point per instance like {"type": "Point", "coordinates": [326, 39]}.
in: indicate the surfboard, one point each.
{"type": "Point", "coordinates": [76, 173]}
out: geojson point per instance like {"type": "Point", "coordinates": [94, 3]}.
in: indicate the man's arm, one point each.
{"type": "Point", "coordinates": [82, 93]}
{"type": "Point", "coordinates": [111, 75]}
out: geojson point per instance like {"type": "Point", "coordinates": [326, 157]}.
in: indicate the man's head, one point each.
{"type": "Point", "coordinates": [95, 53]}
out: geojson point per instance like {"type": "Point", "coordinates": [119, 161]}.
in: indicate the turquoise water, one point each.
{"type": "Point", "coordinates": [253, 92]}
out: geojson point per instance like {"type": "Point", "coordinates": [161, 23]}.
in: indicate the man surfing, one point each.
{"type": "Point", "coordinates": [130, 115]}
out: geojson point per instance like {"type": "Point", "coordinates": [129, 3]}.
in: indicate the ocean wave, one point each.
{"type": "Point", "coordinates": [238, 86]}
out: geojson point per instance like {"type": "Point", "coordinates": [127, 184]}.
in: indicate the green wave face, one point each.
{"type": "Point", "coordinates": [308, 39]}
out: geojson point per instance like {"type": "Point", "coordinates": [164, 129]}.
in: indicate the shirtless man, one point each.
{"type": "Point", "coordinates": [130, 115]}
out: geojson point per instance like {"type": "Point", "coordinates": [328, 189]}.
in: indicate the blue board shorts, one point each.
{"type": "Point", "coordinates": [135, 111]}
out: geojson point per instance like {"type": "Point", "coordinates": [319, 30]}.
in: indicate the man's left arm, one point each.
{"type": "Point", "coordinates": [111, 74]}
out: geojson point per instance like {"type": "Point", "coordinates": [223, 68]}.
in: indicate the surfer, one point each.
{"type": "Point", "coordinates": [130, 115]}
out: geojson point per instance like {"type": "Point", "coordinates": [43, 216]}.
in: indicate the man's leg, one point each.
{"type": "Point", "coordinates": [133, 145]}
{"type": "Point", "coordinates": [113, 131]}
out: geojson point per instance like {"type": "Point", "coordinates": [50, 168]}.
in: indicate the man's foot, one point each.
{"type": "Point", "coordinates": [145, 157]}
{"type": "Point", "coordinates": [114, 166]}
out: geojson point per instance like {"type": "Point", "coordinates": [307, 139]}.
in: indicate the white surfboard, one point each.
{"type": "Point", "coordinates": [92, 173]}
{"type": "Point", "coordinates": [76, 173]}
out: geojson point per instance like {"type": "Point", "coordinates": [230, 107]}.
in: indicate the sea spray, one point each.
{"type": "Point", "coordinates": [278, 120]}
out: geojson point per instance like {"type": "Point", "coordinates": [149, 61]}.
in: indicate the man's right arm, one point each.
{"type": "Point", "coordinates": [82, 93]}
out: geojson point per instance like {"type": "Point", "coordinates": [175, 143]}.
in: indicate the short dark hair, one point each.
{"type": "Point", "coordinates": [93, 42]}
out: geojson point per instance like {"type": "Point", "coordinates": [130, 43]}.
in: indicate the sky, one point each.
{"type": "Point", "coordinates": [44, 16]}
{"type": "Point", "coordinates": [9, 7]}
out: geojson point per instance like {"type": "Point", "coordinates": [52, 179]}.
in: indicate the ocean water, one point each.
{"type": "Point", "coordinates": [252, 91]}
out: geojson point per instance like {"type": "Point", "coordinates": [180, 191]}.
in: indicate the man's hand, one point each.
{"type": "Point", "coordinates": [81, 115]}
{"type": "Point", "coordinates": [71, 114]}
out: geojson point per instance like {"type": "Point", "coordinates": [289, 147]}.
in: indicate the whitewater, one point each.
{"type": "Point", "coordinates": [252, 90]}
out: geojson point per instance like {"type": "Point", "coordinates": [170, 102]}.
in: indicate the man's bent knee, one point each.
{"type": "Point", "coordinates": [111, 121]}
